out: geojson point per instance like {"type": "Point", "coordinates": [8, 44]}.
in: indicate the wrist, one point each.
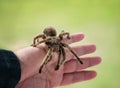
{"type": "Point", "coordinates": [21, 65]}
{"type": "Point", "coordinates": [29, 62]}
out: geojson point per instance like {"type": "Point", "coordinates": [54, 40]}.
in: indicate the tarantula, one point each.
{"type": "Point", "coordinates": [54, 44]}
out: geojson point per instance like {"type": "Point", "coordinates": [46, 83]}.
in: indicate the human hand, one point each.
{"type": "Point", "coordinates": [70, 72]}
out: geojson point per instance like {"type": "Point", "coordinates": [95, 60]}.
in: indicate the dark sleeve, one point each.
{"type": "Point", "coordinates": [10, 71]}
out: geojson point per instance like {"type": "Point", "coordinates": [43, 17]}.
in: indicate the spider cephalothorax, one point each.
{"type": "Point", "coordinates": [54, 44]}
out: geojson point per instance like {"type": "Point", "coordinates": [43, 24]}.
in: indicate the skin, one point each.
{"type": "Point", "coordinates": [70, 72]}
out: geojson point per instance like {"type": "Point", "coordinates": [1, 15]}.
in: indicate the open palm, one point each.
{"type": "Point", "coordinates": [70, 72]}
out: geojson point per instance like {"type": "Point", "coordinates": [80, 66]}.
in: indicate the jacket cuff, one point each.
{"type": "Point", "coordinates": [12, 64]}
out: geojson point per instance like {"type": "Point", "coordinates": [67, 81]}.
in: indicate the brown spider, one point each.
{"type": "Point", "coordinates": [54, 44]}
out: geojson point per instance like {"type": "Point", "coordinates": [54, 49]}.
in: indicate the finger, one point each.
{"type": "Point", "coordinates": [73, 38]}
{"type": "Point", "coordinates": [73, 65]}
{"type": "Point", "coordinates": [84, 49]}
{"type": "Point", "coordinates": [74, 77]}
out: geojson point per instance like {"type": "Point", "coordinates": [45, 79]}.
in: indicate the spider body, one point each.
{"type": "Point", "coordinates": [54, 44]}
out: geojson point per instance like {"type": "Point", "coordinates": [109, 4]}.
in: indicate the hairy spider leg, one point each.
{"type": "Point", "coordinates": [59, 57]}
{"type": "Point", "coordinates": [44, 40]}
{"type": "Point", "coordinates": [34, 45]}
{"type": "Point", "coordinates": [45, 59]}
{"type": "Point", "coordinates": [66, 45]}
{"type": "Point", "coordinates": [37, 38]}
{"type": "Point", "coordinates": [49, 59]}
{"type": "Point", "coordinates": [63, 55]}
{"type": "Point", "coordinates": [63, 34]}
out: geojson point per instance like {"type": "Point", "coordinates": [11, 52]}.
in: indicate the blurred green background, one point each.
{"type": "Point", "coordinates": [99, 20]}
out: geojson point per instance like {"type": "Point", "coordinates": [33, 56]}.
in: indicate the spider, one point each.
{"type": "Point", "coordinates": [54, 44]}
